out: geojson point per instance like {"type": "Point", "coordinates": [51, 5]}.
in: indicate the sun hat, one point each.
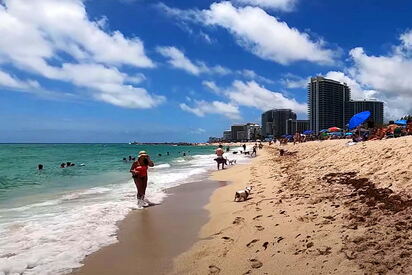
{"type": "Point", "coordinates": [143, 154]}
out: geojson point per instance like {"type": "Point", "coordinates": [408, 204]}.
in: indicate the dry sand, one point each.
{"type": "Point", "coordinates": [324, 208]}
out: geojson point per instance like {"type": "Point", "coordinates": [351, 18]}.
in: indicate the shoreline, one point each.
{"type": "Point", "coordinates": [149, 239]}
{"type": "Point", "coordinates": [308, 213]}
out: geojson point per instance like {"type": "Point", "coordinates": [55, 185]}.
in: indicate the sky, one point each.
{"type": "Point", "coordinates": [156, 71]}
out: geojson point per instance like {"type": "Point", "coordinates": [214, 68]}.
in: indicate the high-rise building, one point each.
{"type": "Point", "coordinates": [253, 131]}
{"type": "Point", "coordinates": [238, 132]}
{"type": "Point", "coordinates": [373, 106]}
{"type": "Point", "coordinates": [267, 122]}
{"type": "Point", "coordinates": [327, 103]}
{"type": "Point", "coordinates": [302, 126]}
{"type": "Point", "coordinates": [241, 132]}
{"type": "Point", "coordinates": [227, 135]}
{"type": "Point", "coordinates": [278, 122]}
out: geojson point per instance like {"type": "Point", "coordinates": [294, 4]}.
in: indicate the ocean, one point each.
{"type": "Point", "coordinates": [51, 219]}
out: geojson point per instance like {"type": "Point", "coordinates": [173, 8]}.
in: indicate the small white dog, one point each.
{"type": "Point", "coordinates": [232, 162]}
{"type": "Point", "coordinates": [243, 194]}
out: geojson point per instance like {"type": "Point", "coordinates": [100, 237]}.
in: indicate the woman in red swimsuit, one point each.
{"type": "Point", "coordinates": [139, 173]}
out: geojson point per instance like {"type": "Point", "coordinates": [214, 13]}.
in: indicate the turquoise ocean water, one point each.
{"type": "Point", "coordinates": [51, 219]}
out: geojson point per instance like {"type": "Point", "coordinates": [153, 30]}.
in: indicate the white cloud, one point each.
{"type": "Point", "coordinates": [406, 39]}
{"type": "Point", "coordinates": [283, 5]}
{"type": "Point", "coordinates": [258, 32]}
{"type": "Point", "coordinates": [292, 81]}
{"type": "Point", "coordinates": [9, 81]}
{"type": "Point", "coordinates": [388, 75]}
{"type": "Point", "coordinates": [249, 74]}
{"type": "Point", "coordinates": [37, 32]}
{"type": "Point", "coordinates": [109, 82]}
{"type": "Point", "coordinates": [251, 94]}
{"type": "Point", "coordinates": [201, 108]}
{"type": "Point", "coordinates": [211, 86]}
{"type": "Point", "coordinates": [178, 60]}
{"type": "Point", "coordinates": [198, 131]}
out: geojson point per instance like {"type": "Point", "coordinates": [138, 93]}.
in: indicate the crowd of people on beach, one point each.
{"type": "Point", "coordinates": [221, 160]}
{"type": "Point", "coordinates": [392, 130]}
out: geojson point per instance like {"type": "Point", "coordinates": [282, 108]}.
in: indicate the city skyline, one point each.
{"type": "Point", "coordinates": [124, 70]}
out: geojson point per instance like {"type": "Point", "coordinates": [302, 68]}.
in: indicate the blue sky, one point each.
{"type": "Point", "coordinates": [122, 70]}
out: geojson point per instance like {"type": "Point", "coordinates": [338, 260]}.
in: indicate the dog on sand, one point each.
{"type": "Point", "coordinates": [232, 162]}
{"type": "Point", "coordinates": [243, 194]}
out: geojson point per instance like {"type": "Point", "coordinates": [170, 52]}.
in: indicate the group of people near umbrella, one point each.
{"type": "Point", "coordinates": [355, 131]}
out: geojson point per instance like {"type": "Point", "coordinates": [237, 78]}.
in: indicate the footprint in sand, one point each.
{"type": "Point", "coordinates": [238, 220]}
{"type": "Point", "coordinates": [252, 242]}
{"type": "Point", "coordinates": [214, 269]}
{"type": "Point", "coordinates": [228, 239]}
{"type": "Point", "coordinates": [265, 245]}
{"type": "Point", "coordinates": [259, 227]}
{"type": "Point", "coordinates": [255, 263]}
{"type": "Point", "coordinates": [257, 217]}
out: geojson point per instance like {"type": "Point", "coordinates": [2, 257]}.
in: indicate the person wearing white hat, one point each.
{"type": "Point", "coordinates": [139, 173]}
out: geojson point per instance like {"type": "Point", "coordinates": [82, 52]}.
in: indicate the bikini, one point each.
{"type": "Point", "coordinates": [140, 171]}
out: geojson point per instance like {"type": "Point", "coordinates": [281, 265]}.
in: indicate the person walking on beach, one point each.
{"type": "Point", "coordinates": [220, 159]}
{"type": "Point", "coordinates": [139, 173]}
{"type": "Point", "coordinates": [254, 152]}
{"type": "Point", "coordinates": [244, 147]}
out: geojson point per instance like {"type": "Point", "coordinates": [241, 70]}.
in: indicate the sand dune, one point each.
{"type": "Point", "coordinates": [328, 208]}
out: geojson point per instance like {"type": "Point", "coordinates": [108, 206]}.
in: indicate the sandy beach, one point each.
{"type": "Point", "coordinates": [324, 208]}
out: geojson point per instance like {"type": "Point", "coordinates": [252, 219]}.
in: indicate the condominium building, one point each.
{"type": "Point", "coordinates": [373, 106]}
{"type": "Point", "coordinates": [227, 135]}
{"type": "Point", "coordinates": [238, 132]}
{"type": "Point", "coordinates": [327, 103]}
{"type": "Point", "coordinates": [302, 125]}
{"type": "Point", "coordinates": [242, 132]}
{"type": "Point", "coordinates": [253, 131]}
{"type": "Point", "coordinates": [278, 122]}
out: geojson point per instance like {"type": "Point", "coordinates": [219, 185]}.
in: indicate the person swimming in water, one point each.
{"type": "Point", "coordinates": [139, 173]}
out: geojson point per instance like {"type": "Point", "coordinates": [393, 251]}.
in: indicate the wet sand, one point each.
{"type": "Point", "coordinates": [149, 239]}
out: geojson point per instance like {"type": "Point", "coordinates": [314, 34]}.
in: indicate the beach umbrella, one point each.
{"type": "Point", "coordinates": [323, 130]}
{"type": "Point", "coordinates": [349, 134]}
{"type": "Point", "coordinates": [401, 122]}
{"type": "Point", "coordinates": [308, 132]}
{"type": "Point", "coordinates": [358, 119]}
{"type": "Point", "coordinates": [334, 129]}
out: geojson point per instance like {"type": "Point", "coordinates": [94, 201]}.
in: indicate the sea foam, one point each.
{"type": "Point", "coordinates": [54, 236]}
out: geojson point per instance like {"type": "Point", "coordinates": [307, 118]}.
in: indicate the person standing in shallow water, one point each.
{"type": "Point", "coordinates": [220, 159]}
{"type": "Point", "coordinates": [139, 173]}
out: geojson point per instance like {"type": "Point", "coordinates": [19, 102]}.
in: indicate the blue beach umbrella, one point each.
{"type": "Point", "coordinates": [324, 131]}
{"type": "Point", "coordinates": [401, 122]}
{"type": "Point", "coordinates": [308, 132]}
{"type": "Point", "coordinates": [358, 119]}
{"type": "Point", "coordinates": [348, 134]}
